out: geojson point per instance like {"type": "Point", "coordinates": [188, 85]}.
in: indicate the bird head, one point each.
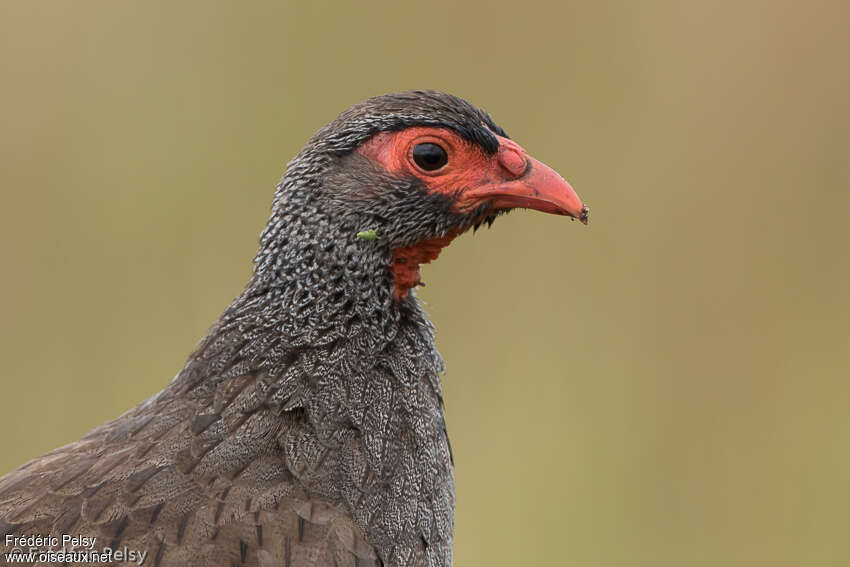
{"type": "Point", "coordinates": [398, 176]}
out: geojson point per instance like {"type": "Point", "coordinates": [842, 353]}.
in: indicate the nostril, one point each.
{"type": "Point", "coordinates": [513, 161]}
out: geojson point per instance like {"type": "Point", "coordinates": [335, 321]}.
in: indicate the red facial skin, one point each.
{"type": "Point", "coordinates": [508, 179]}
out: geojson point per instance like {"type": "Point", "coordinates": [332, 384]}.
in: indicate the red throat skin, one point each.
{"type": "Point", "coordinates": [406, 262]}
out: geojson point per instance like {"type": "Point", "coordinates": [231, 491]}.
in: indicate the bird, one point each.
{"type": "Point", "coordinates": [307, 427]}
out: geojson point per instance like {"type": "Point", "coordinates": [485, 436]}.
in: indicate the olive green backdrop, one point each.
{"type": "Point", "coordinates": [665, 387]}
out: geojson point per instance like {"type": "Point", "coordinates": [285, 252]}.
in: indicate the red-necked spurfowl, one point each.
{"type": "Point", "coordinates": [307, 428]}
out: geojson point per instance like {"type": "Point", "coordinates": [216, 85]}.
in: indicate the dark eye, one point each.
{"type": "Point", "coordinates": [429, 157]}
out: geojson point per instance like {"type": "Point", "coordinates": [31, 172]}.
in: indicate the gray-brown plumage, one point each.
{"type": "Point", "coordinates": [307, 428]}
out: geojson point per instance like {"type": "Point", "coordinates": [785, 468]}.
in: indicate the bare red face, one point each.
{"type": "Point", "coordinates": [452, 166]}
{"type": "Point", "coordinates": [508, 179]}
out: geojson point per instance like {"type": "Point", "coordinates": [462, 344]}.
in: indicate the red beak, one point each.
{"type": "Point", "coordinates": [528, 183]}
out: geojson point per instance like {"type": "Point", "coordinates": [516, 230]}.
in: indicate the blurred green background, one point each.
{"type": "Point", "coordinates": [666, 387]}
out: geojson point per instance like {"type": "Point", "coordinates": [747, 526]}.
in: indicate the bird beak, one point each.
{"type": "Point", "coordinates": [528, 183]}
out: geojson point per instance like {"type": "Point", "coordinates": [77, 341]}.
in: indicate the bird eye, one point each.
{"type": "Point", "coordinates": [430, 157]}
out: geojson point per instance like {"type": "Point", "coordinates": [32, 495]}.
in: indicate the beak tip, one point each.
{"type": "Point", "coordinates": [584, 215]}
